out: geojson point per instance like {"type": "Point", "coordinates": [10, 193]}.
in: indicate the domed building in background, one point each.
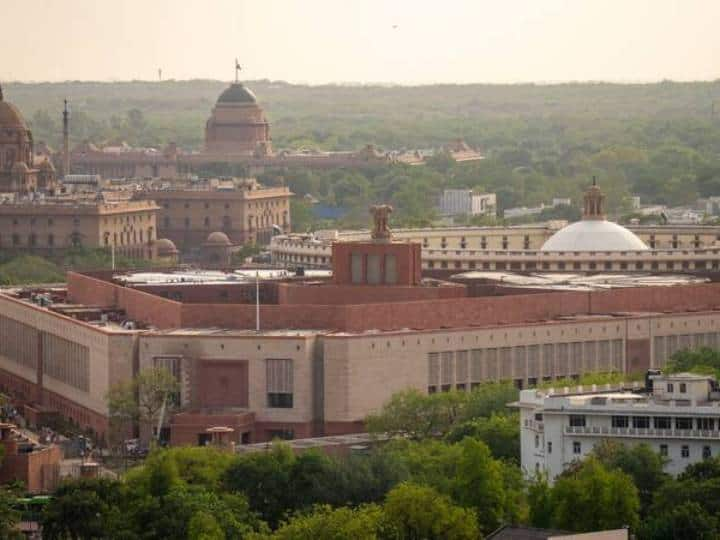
{"type": "Point", "coordinates": [593, 245]}
{"type": "Point", "coordinates": [18, 170]}
{"type": "Point", "coordinates": [594, 232]}
{"type": "Point", "coordinates": [237, 125]}
{"type": "Point", "coordinates": [166, 251]}
{"type": "Point", "coordinates": [217, 249]}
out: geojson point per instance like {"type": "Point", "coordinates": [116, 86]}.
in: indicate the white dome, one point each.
{"type": "Point", "coordinates": [594, 235]}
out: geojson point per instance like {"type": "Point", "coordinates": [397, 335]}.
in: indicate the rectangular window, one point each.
{"type": "Point", "coordinates": [577, 448]}
{"type": "Point", "coordinates": [390, 269]}
{"type": "Point", "coordinates": [641, 422]}
{"type": "Point", "coordinates": [683, 388]}
{"type": "Point", "coordinates": [434, 369]}
{"type": "Point", "coordinates": [373, 269]}
{"type": "Point", "coordinates": [356, 268]}
{"type": "Point", "coordinates": [706, 424]}
{"type": "Point", "coordinates": [549, 447]}
{"type": "Point", "coordinates": [662, 422]}
{"type": "Point", "coordinates": [683, 423]}
{"type": "Point", "coordinates": [577, 420]}
{"type": "Point", "coordinates": [447, 371]}
{"type": "Point", "coordinates": [707, 453]}
{"type": "Point", "coordinates": [685, 452]}
{"type": "Point", "coordinates": [279, 381]}
{"type": "Point", "coordinates": [664, 450]}
{"type": "Point", "coordinates": [476, 365]}
{"type": "Point", "coordinates": [619, 421]}
{"type": "Point", "coordinates": [461, 366]}
{"type": "Point", "coordinates": [670, 388]}
{"type": "Point", "coordinates": [173, 365]}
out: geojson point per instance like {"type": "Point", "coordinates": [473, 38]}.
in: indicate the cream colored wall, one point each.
{"type": "Point", "coordinates": [92, 228]}
{"type": "Point", "coordinates": [363, 372]}
{"type": "Point", "coordinates": [104, 350]}
{"type": "Point", "coordinates": [194, 348]}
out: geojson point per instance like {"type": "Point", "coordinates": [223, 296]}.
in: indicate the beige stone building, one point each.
{"type": "Point", "coordinates": [51, 226]}
{"type": "Point", "coordinates": [592, 244]}
{"type": "Point", "coordinates": [21, 171]}
{"type": "Point", "coordinates": [243, 210]}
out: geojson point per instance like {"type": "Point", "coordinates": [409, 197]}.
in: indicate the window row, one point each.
{"type": "Point", "coordinates": [665, 346]}
{"type": "Point", "coordinates": [576, 265]}
{"type": "Point", "coordinates": [18, 342]}
{"type": "Point", "coordinates": [455, 369]}
{"type": "Point", "coordinates": [657, 422]}
{"type": "Point", "coordinates": [66, 361]}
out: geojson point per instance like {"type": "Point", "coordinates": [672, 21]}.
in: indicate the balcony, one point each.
{"type": "Point", "coordinates": [650, 433]}
{"type": "Point", "coordinates": [534, 424]}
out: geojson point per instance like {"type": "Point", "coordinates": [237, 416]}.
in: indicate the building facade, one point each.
{"type": "Point", "coordinates": [20, 170]}
{"type": "Point", "coordinates": [237, 132]}
{"type": "Point", "coordinates": [237, 124]}
{"type": "Point", "coordinates": [677, 415]}
{"type": "Point", "coordinates": [244, 211]}
{"type": "Point", "coordinates": [52, 226]}
{"type": "Point", "coordinates": [590, 245]}
{"type": "Point", "coordinates": [328, 352]}
{"type": "Point", "coordinates": [466, 202]}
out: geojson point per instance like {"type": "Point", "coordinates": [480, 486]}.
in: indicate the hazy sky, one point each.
{"type": "Point", "coordinates": [401, 41]}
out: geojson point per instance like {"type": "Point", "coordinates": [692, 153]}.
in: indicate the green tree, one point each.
{"type": "Point", "coordinates": [540, 504]}
{"type": "Point", "coordinates": [266, 479]}
{"type": "Point", "coordinates": [501, 432]}
{"type": "Point", "coordinates": [9, 516]}
{"type": "Point", "coordinates": [687, 520]}
{"type": "Point", "coordinates": [645, 467]}
{"type": "Point", "coordinates": [413, 512]}
{"type": "Point", "coordinates": [416, 415]}
{"type": "Point", "coordinates": [203, 526]}
{"type": "Point", "coordinates": [144, 398]}
{"type": "Point", "coordinates": [590, 497]}
{"type": "Point", "coordinates": [84, 509]}
{"type": "Point", "coordinates": [327, 523]}
{"type": "Point", "coordinates": [478, 483]}
{"type": "Point", "coordinates": [703, 360]}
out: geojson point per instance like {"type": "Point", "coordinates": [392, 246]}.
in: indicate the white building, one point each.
{"type": "Point", "coordinates": [677, 415]}
{"type": "Point", "coordinates": [458, 202]}
{"type": "Point", "coordinates": [523, 211]}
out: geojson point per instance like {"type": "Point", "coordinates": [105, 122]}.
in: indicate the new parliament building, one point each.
{"type": "Point", "coordinates": [278, 354]}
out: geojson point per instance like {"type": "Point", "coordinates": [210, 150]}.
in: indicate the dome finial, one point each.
{"type": "Point", "coordinates": [593, 202]}
{"type": "Point", "coordinates": [237, 70]}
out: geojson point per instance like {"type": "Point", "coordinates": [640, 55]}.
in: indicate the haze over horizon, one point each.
{"type": "Point", "coordinates": [322, 41]}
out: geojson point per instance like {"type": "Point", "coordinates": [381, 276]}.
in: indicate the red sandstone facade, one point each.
{"type": "Point", "coordinates": [331, 351]}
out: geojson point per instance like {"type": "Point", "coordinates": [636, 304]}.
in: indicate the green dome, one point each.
{"type": "Point", "coordinates": [237, 93]}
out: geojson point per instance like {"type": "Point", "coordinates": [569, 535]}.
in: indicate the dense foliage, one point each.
{"type": "Point", "coordinates": [28, 269]}
{"type": "Point", "coordinates": [450, 473]}
{"type": "Point", "coordinates": [659, 141]}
